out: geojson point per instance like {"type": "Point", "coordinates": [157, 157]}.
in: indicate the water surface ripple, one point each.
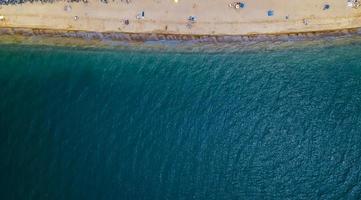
{"type": "Point", "coordinates": [93, 124]}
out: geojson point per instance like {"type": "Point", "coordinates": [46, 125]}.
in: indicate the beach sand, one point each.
{"type": "Point", "coordinates": [213, 17]}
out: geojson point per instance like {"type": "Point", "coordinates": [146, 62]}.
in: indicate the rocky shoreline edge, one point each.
{"type": "Point", "coordinates": [144, 37]}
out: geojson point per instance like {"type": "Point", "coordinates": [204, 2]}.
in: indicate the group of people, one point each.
{"type": "Point", "coordinates": [354, 3]}
{"type": "Point", "coordinates": [7, 2]}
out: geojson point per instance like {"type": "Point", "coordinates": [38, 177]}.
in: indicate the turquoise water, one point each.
{"type": "Point", "coordinates": [132, 124]}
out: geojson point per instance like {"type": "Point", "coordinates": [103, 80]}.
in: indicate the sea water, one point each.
{"type": "Point", "coordinates": [88, 123]}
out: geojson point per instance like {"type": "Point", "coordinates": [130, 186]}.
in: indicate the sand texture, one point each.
{"type": "Point", "coordinates": [212, 17]}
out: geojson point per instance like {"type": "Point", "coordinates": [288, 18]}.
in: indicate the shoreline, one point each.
{"type": "Point", "coordinates": [95, 41]}
{"type": "Point", "coordinates": [145, 37]}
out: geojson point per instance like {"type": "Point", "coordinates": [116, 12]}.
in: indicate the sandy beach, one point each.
{"type": "Point", "coordinates": [214, 17]}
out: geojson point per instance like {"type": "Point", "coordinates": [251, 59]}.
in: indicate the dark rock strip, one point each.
{"type": "Point", "coordinates": [143, 37]}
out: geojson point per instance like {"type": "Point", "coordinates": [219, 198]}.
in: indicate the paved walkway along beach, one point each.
{"type": "Point", "coordinates": [192, 17]}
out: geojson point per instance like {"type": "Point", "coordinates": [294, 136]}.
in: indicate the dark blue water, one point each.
{"type": "Point", "coordinates": [116, 124]}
